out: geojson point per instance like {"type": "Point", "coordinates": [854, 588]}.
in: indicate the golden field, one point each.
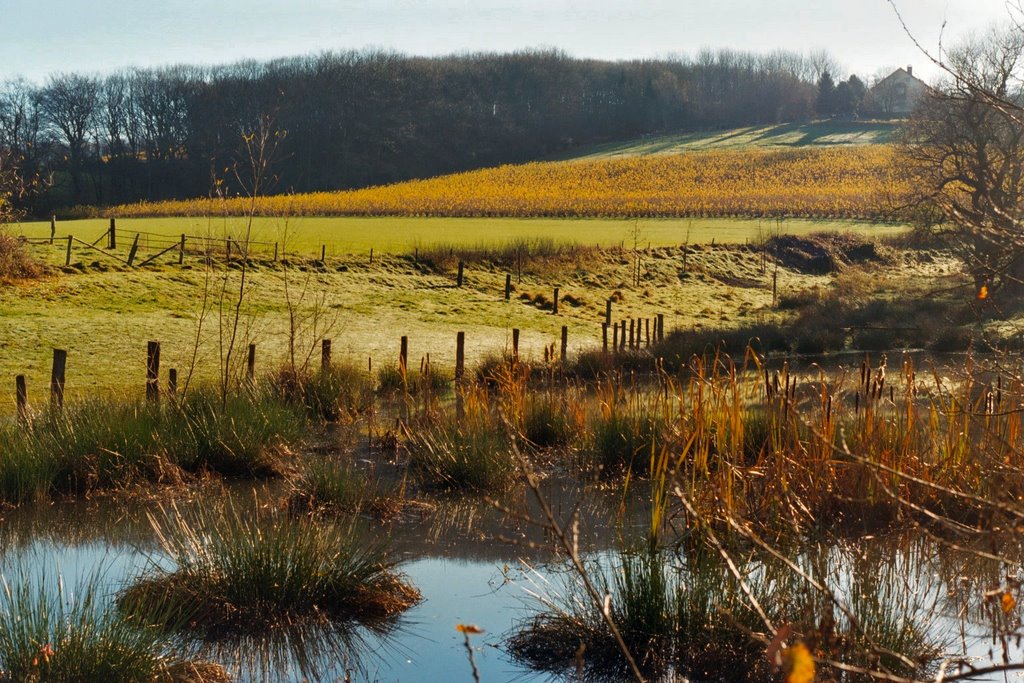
{"type": "Point", "coordinates": [858, 182]}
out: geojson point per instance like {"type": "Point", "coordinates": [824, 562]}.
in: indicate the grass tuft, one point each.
{"type": "Point", "coordinates": [235, 573]}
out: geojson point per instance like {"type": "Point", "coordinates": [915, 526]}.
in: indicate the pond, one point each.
{"type": "Point", "coordinates": [474, 564]}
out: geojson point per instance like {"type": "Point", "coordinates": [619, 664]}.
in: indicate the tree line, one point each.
{"type": "Point", "coordinates": [353, 119]}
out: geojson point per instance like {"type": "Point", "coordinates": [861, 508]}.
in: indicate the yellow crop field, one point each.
{"type": "Point", "coordinates": [837, 182]}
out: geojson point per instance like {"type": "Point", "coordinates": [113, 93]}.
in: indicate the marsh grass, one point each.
{"type": "Point", "coordinates": [474, 456]}
{"type": "Point", "coordinates": [331, 486]}
{"type": "Point", "coordinates": [329, 394]}
{"type": "Point", "coordinates": [51, 633]}
{"type": "Point", "coordinates": [113, 444]}
{"type": "Point", "coordinates": [686, 615]}
{"type": "Point", "coordinates": [232, 572]}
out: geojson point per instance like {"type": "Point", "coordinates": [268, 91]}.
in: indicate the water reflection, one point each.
{"type": "Point", "coordinates": [473, 563]}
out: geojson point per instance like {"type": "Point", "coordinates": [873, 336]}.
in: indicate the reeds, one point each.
{"type": "Point", "coordinates": [114, 444]}
{"type": "Point", "coordinates": [53, 633]}
{"type": "Point", "coordinates": [232, 572]}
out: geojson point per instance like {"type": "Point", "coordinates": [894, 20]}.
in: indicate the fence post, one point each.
{"type": "Point", "coordinates": [461, 267]}
{"type": "Point", "coordinates": [632, 325]}
{"type": "Point", "coordinates": [403, 357]}
{"type": "Point", "coordinates": [323, 253]}
{"type": "Point", "coordinates": [515, 345]}
{"type": "Point", "coordinates": [622, 337]}
{"type": "Point", "coordinates": [67, 258]}
{"type": "Point", "coordinates": [21, 398]}
{"type": "Point", "coordinates": [661, 327]}
{"type": "Point", "coordinates": [565, 343]}
{"type": "Point", "coordinates": [172, 382]}
{"type": "Point", "coordinates": [227, 249]}
{"type": "Point", "coordinates": [371, 256]}
{"type": "Point", "coordinates": [60, 360]}
{"type": "Point", "coordinates": [275, 252]}
{"type": "Point", "coordinates": [775, 287]}
{"type": "Point", "coordinates": [53, 227]}
{"type": "Point", "coordinates": [615, 338]}
{"type": "Point", "coordinates": [153, 371]}
{"type": "Point", "coordinates": [647, 332]}
{"type": "Point", "coordinates": [460, 371]}
{"type": "Point", "coordinates": [604, 337]}
{"type": "Point", "coordinates": [133, 250]}
{"type": "Point", "coordinates": [112, 234]}
{"type": "Point", "coordinates": [554, 306]}
{"type": "Point", "coordinates": [181, 250]}
{"type": "Point", "coordinates": [325, 354]}
{"type": "Point", "coordinates": [608, 312]}
{"type": "Point", "coordinates": [508, 286]}
{"type": "Point", "coordinates": [250, 364]}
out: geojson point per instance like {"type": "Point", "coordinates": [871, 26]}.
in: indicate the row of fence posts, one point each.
{"type": "Point", "coordinates": [60, 356]}
{"type": "Point", "coordinates": [638, 335]}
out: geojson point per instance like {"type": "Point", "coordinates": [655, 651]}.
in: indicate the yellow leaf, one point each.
{"type": "Point", "coordinates": [797, 664]}
{"type": "Point", "coordinates": [469, 629]}
{"type": "Point", "coordinates": [1007, 602]}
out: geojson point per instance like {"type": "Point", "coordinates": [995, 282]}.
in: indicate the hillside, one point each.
{"type": "Point", "coordinates": [783, 135]}
{"type": "Point", "coordinates": [854, 181]}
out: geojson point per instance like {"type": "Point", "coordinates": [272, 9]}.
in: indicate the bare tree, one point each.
{"type": "Point", "coordinates": [965, 146]}
{"type": "Point", "coordinates": [70, 103]}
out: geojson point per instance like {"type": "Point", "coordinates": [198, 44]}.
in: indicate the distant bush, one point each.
{"type": "Point", "coordinates": [15, 261]}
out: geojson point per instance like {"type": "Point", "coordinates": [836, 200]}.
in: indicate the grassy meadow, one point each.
{"type": "Point", "coordinates": [356, 235]}
{"type": "Point", "coordinates": [104, 313]}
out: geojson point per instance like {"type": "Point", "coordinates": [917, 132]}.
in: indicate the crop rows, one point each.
{"type": "Point", "coordinates": [855, 182]}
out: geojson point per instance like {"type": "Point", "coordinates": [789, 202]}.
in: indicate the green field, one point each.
{"type": "Point", "coordinates": [816, 134]}
{"type": "Point", "coordinates": [355, 235]}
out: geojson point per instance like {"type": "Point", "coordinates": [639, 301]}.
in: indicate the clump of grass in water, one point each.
{"type": "Point", "coordinates": [235, 573]}
{"type": "Point", "coordinates": [474, 456]}
{"type": "Point", "coordinates": [627, 434]}
{"type": "Point", "coordinates": [51, 634]}
{"type": "Point", "coordinates": [694, 620]}
{"type": "Point", "coordinates": [335, 487]}
{"type": "Point", "coordinates": [548, 422]}
{"type": "Point", "coordinates": [327, 394]}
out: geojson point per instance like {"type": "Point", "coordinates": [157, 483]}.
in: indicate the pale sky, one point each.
{"type": "Point", "coordinates": [44, 36]}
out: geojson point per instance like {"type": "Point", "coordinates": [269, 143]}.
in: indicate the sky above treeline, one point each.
{"type": "Point", "coordinates": [41, 37]}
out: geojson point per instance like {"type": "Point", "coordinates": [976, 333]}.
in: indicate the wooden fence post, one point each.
{"type": "Point", "coordinates": [250, 364]}
{"type": "Point", "coordinates": [53, 227]}
{"type": "Point", "coordinates": [133, 250]}
{"type": "Point", "coordinates": [323, 253]}
{"type": "Point", "coordinates": [604, 337]}
{"type": "Point", "coordinates": [275, 252]}
{"type": "Point", "coordinates": [461, 268]}
{"type": "Point", "coordinates": [565, 342]}
{"type": "Point", "coordinates": [181, 250]}
{"type": "Point", "coordinates": [554, 305]}
{"type": "Point", "coordinates": [632, 325]}
{"type": "Point", "coordinates": [460, 371]}
{"type": "Point", "coordinates": [371, 256]}
{"type": "Point", "coordinates": [608, 312]}
{"type": "Point", "coordinates": [622, 336]}
{"type": "Point", "coordinates": [661, 327]}
{"type": "Point", "coordinates": [67, 258]}
{"type": "Point", "coordinates": [775, 287]}
{"type": "Point", "coordinates": [515, 345]}
{"type": "Point", "coordinates": [60, 360]}
{"type": "Point", "coordinates": [153, 371]}
{"type": "Point", "coordinates": [615, 338]}
{"type": "Point", "coordinates": [647, 332]}
{"type": "Point", "coordinates": [227, 249]}
{"type": "Point", "coordinates": [403, 356]}
{"type": "Point", "coordinates": [112, 234]}
{"type": "Point", "coordinates": [508, 286]}
{"type": "Point", "coordinates": [172, 382]}
{"type": "Point", "coordinates": [325, 354]}
{"type": "Point", "coordinates": [21, 398]}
